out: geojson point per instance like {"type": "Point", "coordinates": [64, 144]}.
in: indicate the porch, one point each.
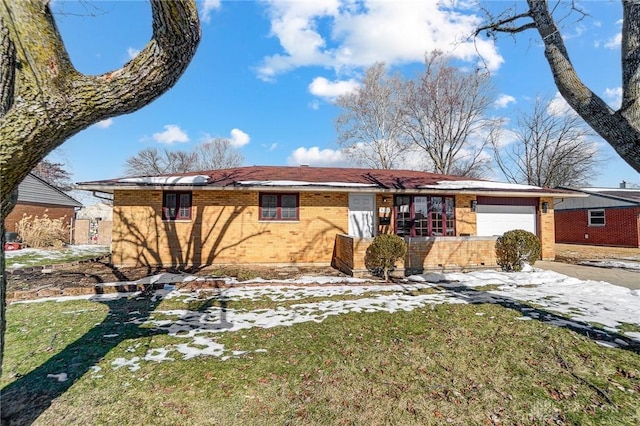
{"type": "Point", "coordinates": [423, 254]}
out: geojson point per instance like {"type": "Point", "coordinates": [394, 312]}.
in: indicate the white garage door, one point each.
{"type": "Point", "coordinates": [496, 220]}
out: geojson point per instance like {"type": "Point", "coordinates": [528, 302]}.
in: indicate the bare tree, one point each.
{"type": "Point", "coordinates": [54, 174]}
{"type": "Point", "coordinates": [44, 100]}
{"type": "Point", "coordinates": [444, 114]}
{"type": "Point", "coordinates": [217, 153]}
{"type": "Point", "coordinates": [551, 148]}
{"type": "Point", "coordinates": [151, 162]}
{"type": "Point", "coordinates": [369, 127]}
{"type": "Point", "coordinates": [621, 128]}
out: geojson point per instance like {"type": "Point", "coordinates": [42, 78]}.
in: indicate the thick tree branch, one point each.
{"type": "Point", "coordinates": [54, 101]}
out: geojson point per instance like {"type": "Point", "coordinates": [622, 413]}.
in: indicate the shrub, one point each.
{"type": "Point", "coordinates": [42, 232]}
{"type": "Point", "coordinates": [515, 248]}
{"type": "Point", "coordinates": [383, 253]}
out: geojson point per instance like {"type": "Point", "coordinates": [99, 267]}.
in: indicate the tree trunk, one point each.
{"type": "Point", "coordinates": [44, 100]}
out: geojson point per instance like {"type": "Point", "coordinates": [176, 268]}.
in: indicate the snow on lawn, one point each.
{"type": "Point", "coordinates": [30, 256]}
{"type": "Point", "coordinates": [584, 301]}
{"type": "Point", "coordinates": [613, 264]}
{"type": "Point", "coordinates": [579, 301]}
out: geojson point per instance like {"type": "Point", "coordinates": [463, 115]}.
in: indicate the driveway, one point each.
{"type": "Point", "coordinates": [617, 276]}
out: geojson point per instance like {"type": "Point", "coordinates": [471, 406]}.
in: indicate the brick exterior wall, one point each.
{"type": "Point", "coordinates": [22, 209]}
{"type": "Point", "coordinates": [224, 229]}
{"type": "Point", "coordinates": [547, 229]}
{"type": "Point", "coordinates": [622, 227]}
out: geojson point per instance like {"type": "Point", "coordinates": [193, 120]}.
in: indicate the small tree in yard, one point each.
{"type": "Point", "coordinates": [515, 248]}
{"type": "Point", "coordinates": [383, 253]}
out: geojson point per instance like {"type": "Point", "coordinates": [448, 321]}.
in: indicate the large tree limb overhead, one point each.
{"type": "Point", "coordinates": [52, 101]}
{"type": "Point", "coordinates": [621, 129]}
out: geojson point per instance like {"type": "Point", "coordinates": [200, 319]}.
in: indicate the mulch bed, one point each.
{"type": "Point", "coordinates": [100, 277]}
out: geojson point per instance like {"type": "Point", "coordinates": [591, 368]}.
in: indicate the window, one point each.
{"type": "Point", "coordinates": [596, 218]}
{"type": "Point", "coordinates": [423, 216]}
{"type": "Point", "coordinates": [176, 206]}
{"type": "Point", "coordinates": [279, 207]}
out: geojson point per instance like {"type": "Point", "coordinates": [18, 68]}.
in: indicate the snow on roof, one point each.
{"type": "Point", "coordinates": [475, 184]}
{"type": "Point", "coordinates": [303, 183]}
{"type": "Point", "coordinates": [168, 180]}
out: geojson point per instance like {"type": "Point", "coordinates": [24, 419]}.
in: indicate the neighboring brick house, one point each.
{"type": "Point", "coordinates": [606, 216]}
{"type": "Point", "coordinates": [37, 198]}
{"type": "Point", "coordinates": [318, 216]}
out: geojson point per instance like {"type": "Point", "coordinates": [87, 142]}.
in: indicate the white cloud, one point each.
{"type": "Point", "coordinates": [208, 6]}
{"type": "Point", "coordinates": [324, 88]}
{"type": "Point", "coordinates": [363, 32]}
{"type": "Point", "coordinates": [503, 101]}
{"type": "Point", "coordinates": [104, 124]}
{"type": "Point", "coordinates": [172, 134]}
{"type": "Point", "coordinates": [614, 42]}
{"type": "Point", "coordinates": [315, 156]}
{"type": "Point", "coordinates": [614, 97]}
{"type": "Point", "coordinates": [239, 138]}
{"type": "Point", "coordinates": [558, 106]}
{"type": "Point", "coordinates": [132, 52]}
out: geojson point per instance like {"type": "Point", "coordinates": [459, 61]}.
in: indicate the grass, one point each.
{"type": "Point", "coordinates": [440, 364]}
{"type": "Point", "coordinates": [40, 257]}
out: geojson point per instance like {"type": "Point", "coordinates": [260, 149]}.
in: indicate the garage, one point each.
{"type": "Point", "coordinates": [498, 219]}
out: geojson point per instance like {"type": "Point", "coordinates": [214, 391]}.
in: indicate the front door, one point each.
{"type": "Point", "coordinates": [361, 219]}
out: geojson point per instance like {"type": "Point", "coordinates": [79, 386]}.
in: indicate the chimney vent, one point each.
{"type": "Point", "coordinates": [623, 185]}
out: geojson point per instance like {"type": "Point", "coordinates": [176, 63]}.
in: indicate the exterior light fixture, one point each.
{"type": "Point", "coordinates": [545, 207]}
{"type": "Point", "coordinates": [474, 205]}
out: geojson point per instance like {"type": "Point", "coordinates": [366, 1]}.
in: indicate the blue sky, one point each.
{"type": "Point", "coordinates": [266, 72]}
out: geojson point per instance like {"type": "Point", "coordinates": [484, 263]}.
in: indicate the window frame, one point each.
{"type": "Point", "coordinates": [425, 222]}
{"type": "Point", "coordinates": [179, 207]}
{"type": "Point", "coordinates": [282, 212]}
{"type": "Point", "coordinates": [590, 217]}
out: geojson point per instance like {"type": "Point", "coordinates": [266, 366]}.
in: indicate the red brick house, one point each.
{"type": "Point", "coordinates": [319, 216]}
{"type": "Point", "coordinates": [605, 216]}
{"type": "Point", "coordinates": [37, 198]}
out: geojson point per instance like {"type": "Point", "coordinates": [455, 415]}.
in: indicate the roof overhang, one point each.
{"type": "Point", "coordinates": [109, 189]}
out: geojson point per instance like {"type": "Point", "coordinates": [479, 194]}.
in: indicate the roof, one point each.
{"type": "Point", "coordinates": [306, 178]}
{"type": "Point", "coordinates": [35, 190]}
{"type": "Point", "coordinates": [620, 196]}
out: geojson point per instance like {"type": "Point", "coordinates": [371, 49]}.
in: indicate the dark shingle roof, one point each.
{"type": "Point", "coordinates": [316, 177]}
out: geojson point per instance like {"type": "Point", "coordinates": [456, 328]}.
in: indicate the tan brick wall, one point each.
{"type": "Point", "coordinates": [465, 218]}
{"type": "Point", "coordinates": [53, 212]}
{"type": "Point", "coordinates": [225, 229]}
{"type": "Point", "coordinates": [436, 253]}
{"type": "Point", "coordinates": [546, 227]}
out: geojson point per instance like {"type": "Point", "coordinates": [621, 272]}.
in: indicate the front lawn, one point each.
{"type": "Point", "coordinates": [274, 357]}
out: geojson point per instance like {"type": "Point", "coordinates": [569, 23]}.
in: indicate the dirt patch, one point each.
{"type": "Point", "coordinates": [574, 253]}
{"type": "Point", "coordinates": [101, 272]}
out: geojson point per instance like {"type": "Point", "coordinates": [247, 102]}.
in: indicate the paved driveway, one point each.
{"type": "Point", "coordinates": [616, 276]}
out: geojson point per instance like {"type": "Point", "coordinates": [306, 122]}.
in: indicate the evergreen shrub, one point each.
{"type": "Point", "coordinates": [515, 248]}
{"type": "Point", "coordinates": [383, 253]}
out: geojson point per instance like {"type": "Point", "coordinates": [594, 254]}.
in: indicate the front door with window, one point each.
{"type": "Point", "coordinates": [361, 219]}
{"type": "Point", "coordinates": [424, 216]}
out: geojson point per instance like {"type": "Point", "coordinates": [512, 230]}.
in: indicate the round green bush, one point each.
{"type": "Point", "coordinates": [515, 248]}
{"type": "Point", "coordinates": [383, 253]}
